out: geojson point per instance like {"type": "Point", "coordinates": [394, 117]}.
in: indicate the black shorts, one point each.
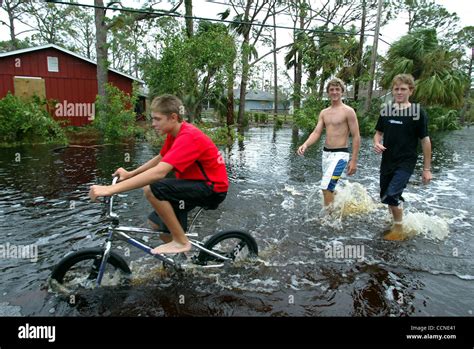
{"type": "Point", "coordinates": [184, 195]}
{"type": "Point", "coordinates": [392, 186]}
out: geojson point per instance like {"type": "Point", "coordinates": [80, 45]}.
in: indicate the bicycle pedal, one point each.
{"type": "Point", "coordinates": [180, 257]}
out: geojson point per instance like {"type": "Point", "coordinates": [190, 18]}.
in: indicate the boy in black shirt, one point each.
{"type": "Point", "coordinates": [401, 125]}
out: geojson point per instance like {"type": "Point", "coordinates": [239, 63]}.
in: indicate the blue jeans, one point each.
{"type": "Point", "coordinates": [392, 185]}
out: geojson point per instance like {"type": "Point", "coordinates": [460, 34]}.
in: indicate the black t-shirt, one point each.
{"type": "Point", "coordinates": [401, 130]}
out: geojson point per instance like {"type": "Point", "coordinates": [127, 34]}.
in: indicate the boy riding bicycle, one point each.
{"type": "Point", "coordinates": [201, 176]}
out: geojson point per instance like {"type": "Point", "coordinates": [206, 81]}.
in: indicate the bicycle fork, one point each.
{"type": "Point", "coordinates": [105, 256]}
{"type": "Point", "coordinates": [103, 263]}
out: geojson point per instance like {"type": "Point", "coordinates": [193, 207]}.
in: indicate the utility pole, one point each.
{"type": "Point", "coordinates": [275, 69]}
{"type": "Point", "coordinates": [374, 58]}
{"type": "Point", "coordinates": [188, 6]}
{"type": "Point", "coordinates": [360, 52]}
{"type": "Point", "coordinates": [101, 50]}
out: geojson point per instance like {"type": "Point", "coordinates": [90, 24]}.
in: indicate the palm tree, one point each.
{"type": "Point", "coordinates": [323, 54]}
{"type": "Point", "coordinates": [439, 80]}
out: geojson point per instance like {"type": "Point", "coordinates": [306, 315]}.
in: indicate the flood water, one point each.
{"type": "Point", "coordinates": [274, 195]}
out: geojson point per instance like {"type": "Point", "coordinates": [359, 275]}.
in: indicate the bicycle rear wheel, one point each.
{"type": "Point", "coordinates": [80, 269]}
{"type": "Point", "coordinates": [233, 244]}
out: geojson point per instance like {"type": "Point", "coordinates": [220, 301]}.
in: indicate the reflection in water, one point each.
{"type": "Point", "coordinates": [274, 195]}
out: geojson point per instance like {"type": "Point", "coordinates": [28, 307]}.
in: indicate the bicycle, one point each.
{"type": "Point", "coordinates": [87, 267]}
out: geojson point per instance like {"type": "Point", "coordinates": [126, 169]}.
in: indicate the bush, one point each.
{"type": "Point", "coordinates": [367, 126]}
{"type": "Point", "coordinates": [442, 119]}
{"type": "Point", "coordinates": [220, 135]}
{"type": "Point", "coordinates": [116, 119]}
{"type": "Point", "coordinates": [469, 116]}
{"type": "Point", "coordinates": [368, 120]}
{"type": "Point", "coordinates": [278, 122]}
{"type": "Point", "coordinates": [151, 137]}
{"type": "Point", "coordinates": [28, 122]}
{"type": "Point", "coordinates": [247, 119]}
{"type": "Point", "coordinates": [307, 116]}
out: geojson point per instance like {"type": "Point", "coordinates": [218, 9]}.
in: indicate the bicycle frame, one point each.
{"type": "Point", "coordinates": [115, 229]}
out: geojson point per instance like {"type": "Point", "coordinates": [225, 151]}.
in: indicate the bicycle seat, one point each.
{"type": "Point", "coordinates": [215, 202]}
{"type": "Point", "coordinates": [210, 207]}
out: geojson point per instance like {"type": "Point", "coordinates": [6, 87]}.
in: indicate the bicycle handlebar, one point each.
{"type": "Point", "coordinates": [111, 201]}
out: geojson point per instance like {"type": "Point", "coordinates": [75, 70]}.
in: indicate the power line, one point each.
{"type": "Point", "coordinates": [243, 7]}
{"type": "Point", "coordinates": [162, 13]}
{"type": "Point", "coordinates": [268, 9]}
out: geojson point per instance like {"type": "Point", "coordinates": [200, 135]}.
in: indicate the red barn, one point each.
{"type": "Point", "coordinates": [57, 74]}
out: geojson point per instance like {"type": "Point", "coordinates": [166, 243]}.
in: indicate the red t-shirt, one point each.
{"type": "Point", "coordinates": [191, 145]}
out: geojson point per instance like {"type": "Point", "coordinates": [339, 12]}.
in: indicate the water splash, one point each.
{"type": "Point", "coordinates": [353, 199]}
{"type": "Point", "coordinates": [431, 227]}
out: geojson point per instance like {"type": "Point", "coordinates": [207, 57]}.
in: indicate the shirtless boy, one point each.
{"type": "Point", "coordinates": [339, 120]}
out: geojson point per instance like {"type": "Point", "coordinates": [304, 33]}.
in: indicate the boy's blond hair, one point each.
{"type": "Point", "coordinates": [168, 104]}
{"type": "Point", "coordinates": [404, 79]}
{"type": "Point", "coordinates": [336, 82]}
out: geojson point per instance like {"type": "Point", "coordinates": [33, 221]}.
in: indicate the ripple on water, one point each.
{"type": "Point", "coordinates": [274, 195]}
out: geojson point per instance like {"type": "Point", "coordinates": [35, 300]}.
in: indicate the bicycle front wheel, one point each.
{"type": "Point", "coordinates": [80, 269]}
{"type": "Point", "coordinates": [235, 245]}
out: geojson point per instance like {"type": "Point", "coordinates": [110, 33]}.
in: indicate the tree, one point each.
{"type": "Point", "coordinates": [434, 67]}
{"type": "Point", "coordinates": [275, 67]}
{"type": "Point", "coordinates": [101, 49]}
{"type": "Point", "coordinates": [102, 26]}
{"type": "Point", "coordinates": [250, 36]}
{"type": "Point", "coordinates": [210, 52]}
{"type": "Point", "coordinates": [82, 32]}
{"type": "Point", "coordinates": [6, 46]}
{"type": "Point", "coordinates": [195, 112]}
{"type": "Point", "coordinates": [294, 58]}
{"type": "Point", "coordinates": [332, 53]}
{"type": "Point", "coordinates": [331, 47]}
{"type": "Point", "coordinates": [227, 102]}
{"type": "Point", "coordinates": [427, 14]}
{"type": "Point", "coordinates": [49, 33]}
{"type": "Point", "coordinates": [373, 59]}
{"type": "Point", "coordinates": [126, 39]}
{"type": "Point", "coordinates": [465, 42]}
{"type": "Point", "coordinates": [15, 10]}
{"type": "Point", "coordinates": [359, 70]}
{"type": "Point", "coordinates": [360, 51]}
{"type": "Point", "coordinates": [188, 5]}
{"type": "Point", "coordinates": [354, 70]}
{"type": "Point", "coordinates": [51, 22]}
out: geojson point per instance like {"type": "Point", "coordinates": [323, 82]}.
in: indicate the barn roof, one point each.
{"type": "Point", "coordinates": [37, 48]}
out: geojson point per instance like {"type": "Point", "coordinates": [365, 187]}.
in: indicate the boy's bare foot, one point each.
{"type": "Point", "coordinates": [327, 210]}
{"type": "Point", "coordinates": [396, 233]}
{"type": "Point", "coordinates": [172, 247]}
